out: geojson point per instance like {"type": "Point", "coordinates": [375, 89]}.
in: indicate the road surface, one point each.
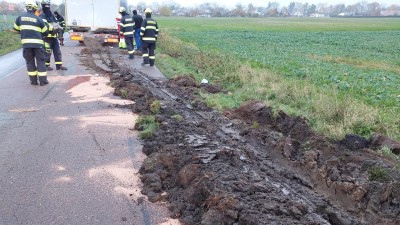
{"type": "Point", "coordinates": [67, 155]}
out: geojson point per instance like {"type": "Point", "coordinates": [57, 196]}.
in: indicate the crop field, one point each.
{"type": "Point", "coordinates": [350, 58]}
{"type": "Point", "coordinates": [8, 41]}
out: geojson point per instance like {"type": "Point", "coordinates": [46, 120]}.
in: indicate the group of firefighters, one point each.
{"type": "Point", "coordinates": [142, 32]}
{"type": "Point", "coordinates": [42, 33]}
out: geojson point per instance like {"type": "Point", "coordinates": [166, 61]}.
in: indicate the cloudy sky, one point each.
{"type": "Point", "coordinates": [232, 3]}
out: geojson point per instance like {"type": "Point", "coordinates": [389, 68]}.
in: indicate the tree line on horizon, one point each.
{"type": "Point", "coordinates": [273, 9]}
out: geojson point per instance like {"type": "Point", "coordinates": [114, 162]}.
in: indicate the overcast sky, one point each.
{"type": "Point", "coordinates": [232, 3]}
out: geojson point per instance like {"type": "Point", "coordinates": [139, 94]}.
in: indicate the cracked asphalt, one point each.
{"type": "Point", "coordinates": [67, 155]}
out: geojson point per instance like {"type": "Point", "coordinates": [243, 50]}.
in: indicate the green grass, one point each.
{"type": "Point", "coordinates": [278, 24]}
{"type": "Point", "coordinates": [147, 126]}
{"type": "Point", "coordinates": [380, 174]}
{"type": "Point", "coordinates": [9, 42]}
{"type": "Point", "coordinates": [336, 72]}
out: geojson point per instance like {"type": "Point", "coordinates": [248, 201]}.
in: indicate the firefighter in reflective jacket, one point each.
{"type": "Point", "coordinates": [127, 29]}
{"type": "Point", "coordinates": [149, 34]}
{"type": "Point", "coordinates": [51, 43]}
{"type": "Point", "coordinates": [121, 40]}
{"type": "Point", "coordinates": [32, 30]}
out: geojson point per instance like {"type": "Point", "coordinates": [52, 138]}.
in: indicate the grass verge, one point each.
{"type": "Point", "coordinates": [9, 42]}
{"type": "Point", "coordinates": [328, 111]}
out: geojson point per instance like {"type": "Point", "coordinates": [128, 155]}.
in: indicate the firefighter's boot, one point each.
{"type": "Point", "coordinates": [43, 80]}
{"type": "Point", "coordinates": [131, 56]}
{"type": "Point", "coordinates": [61, 67]}
{"type": "Point", "coordinates": [151, 61]}
{"type": "Point", "coordinates": [33, 80]}
{"type": "Point", "coordinates": [145, 61]}
{"type": "Point", "coordinates": [49, 68]}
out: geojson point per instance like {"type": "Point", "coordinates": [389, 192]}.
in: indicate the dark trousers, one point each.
{"type": "Point", "coordinates": [129, 45]}
{"type": "Point", "coordinates": [35, 61]}
{"type": "Point", "coordinates": [137, 39]}
{"type": "Point", "coordinates": [52, 45]}
{"type": "Point", "coordinates": [149, 55]}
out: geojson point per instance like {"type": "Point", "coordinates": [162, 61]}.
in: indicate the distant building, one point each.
{"type": "Point", "coordinates": [390, 12]}
{"type": "Point", "coordinates": [317, 15]}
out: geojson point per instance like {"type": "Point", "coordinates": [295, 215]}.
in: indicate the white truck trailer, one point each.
{"type": "Point", "coordinates": [93, 17]}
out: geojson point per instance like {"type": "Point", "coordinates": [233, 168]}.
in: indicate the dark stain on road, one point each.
{"type": "Point", "coordinates": [76, 81]}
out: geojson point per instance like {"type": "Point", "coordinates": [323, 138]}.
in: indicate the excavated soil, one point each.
{"type": "Point", "coordinates": [250, 165]}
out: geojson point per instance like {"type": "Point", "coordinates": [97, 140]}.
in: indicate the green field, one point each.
{"type": "Point", "coordinates": [8, 41]}
{"type": "Point", "coordinates": [342, 74]}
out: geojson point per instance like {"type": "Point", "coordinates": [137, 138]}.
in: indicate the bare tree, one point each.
{"type": "Point", "coordinates": [374, 9]}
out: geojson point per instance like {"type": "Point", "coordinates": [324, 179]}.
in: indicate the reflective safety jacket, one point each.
{"type": "Point", "coordinates": [32, 29]}
{"type": "Point", "coordinates": [49, 26]}
{"type": "Point", "coordinates": [149, 30]}
{"type": "Point", "coordinates": [127, 26]}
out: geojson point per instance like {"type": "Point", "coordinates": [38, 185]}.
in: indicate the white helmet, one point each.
{"type": "Point", "coordinates": [121, 9]}
{"type": "Point", "coordinates": [45, 2]}
{"type": "Point", "coordinates": [31, 5]}
{"type": "Point", "coordinates": [147, 11]}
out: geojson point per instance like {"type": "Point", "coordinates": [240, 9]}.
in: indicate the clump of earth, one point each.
{"type": "Point", "coordinates": [251, 165]}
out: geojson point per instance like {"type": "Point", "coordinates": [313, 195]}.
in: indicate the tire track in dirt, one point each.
{"type": "Point", "coordinates": [250, 166]}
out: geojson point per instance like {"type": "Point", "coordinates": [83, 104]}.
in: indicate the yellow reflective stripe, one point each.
{"type": "Point", "coordinates": [127, 33]}
{"type": "Point", "coordinates": [131, 52]}
{"type": "Point", "coordinates": [151, 28]}
{"type": "Point", "coordinates": [152, 57]}
{"type": "Point", "coordinates": [129, 24]}
{"type": "Point", "coordinates": [149, 39]}
{"type": "Point", "coordinates": [47, 64]}
{"type": "Point", "coordinates": [145, 55]}
{"type": "Point", "coordinates": [42, 74]}
{"type": "Point", "coordinates": [17, 27]}
{"type": "Point", "coordinates": [58, 63]}
{"type": "Point", "coordinates": [151, 22]}
{"type": "Point", "coordinates": [30, 27]}
{"type": "Point", "coordinates": [32, 41]}
{"type": "Point", "coordinates": [142, 29]}
{"type": "Point", "coordinates": [34, 73]}
{"type": "Point", "coordinates": [44, 29]}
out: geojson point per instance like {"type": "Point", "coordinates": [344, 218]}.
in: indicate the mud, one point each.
{"type": "Point", "coordinates": [251, 165]}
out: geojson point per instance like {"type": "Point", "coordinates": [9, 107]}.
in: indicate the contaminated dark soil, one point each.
{"type": "Point", "coordinates": [250, 165]}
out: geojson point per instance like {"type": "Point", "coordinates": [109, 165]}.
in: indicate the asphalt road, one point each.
{"type": "Point", "coordinates": [10, 63]}
{"type": "Point", "coordinates": [67, 155]}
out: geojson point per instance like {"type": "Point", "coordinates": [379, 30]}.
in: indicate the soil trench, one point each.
{"type": "Point", "coordinates": [250, 165]}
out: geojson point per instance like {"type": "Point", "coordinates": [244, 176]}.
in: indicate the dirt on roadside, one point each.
{"type": "Point", "coordinates": [251, 165]}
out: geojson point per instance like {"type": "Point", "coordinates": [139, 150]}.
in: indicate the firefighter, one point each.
{"type": "Point", "coordinates": [127, 29]}
{"type": "Point", "coordinates": [138, 19]}
{"type": "Point", "coordinates": [61, 21]}
{"type": "Point", "coordinates": [51, 43]}
{"type": "Point", "coordinates": [149, 34]}
{"type": "Point", "coordinates": [32, 29]}
{"type": "Point", "coordinates": [121, 40]}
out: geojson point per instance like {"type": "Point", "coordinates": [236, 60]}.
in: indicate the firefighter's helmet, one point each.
{"type": "Point", "coordinates": [147, 11]}
{"type": "Point", "coordinates": [45, 2]}
{"type": "Point", "coordinates": [121, 9]}
{"type": "Point", "coordinates": [30, 5]}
